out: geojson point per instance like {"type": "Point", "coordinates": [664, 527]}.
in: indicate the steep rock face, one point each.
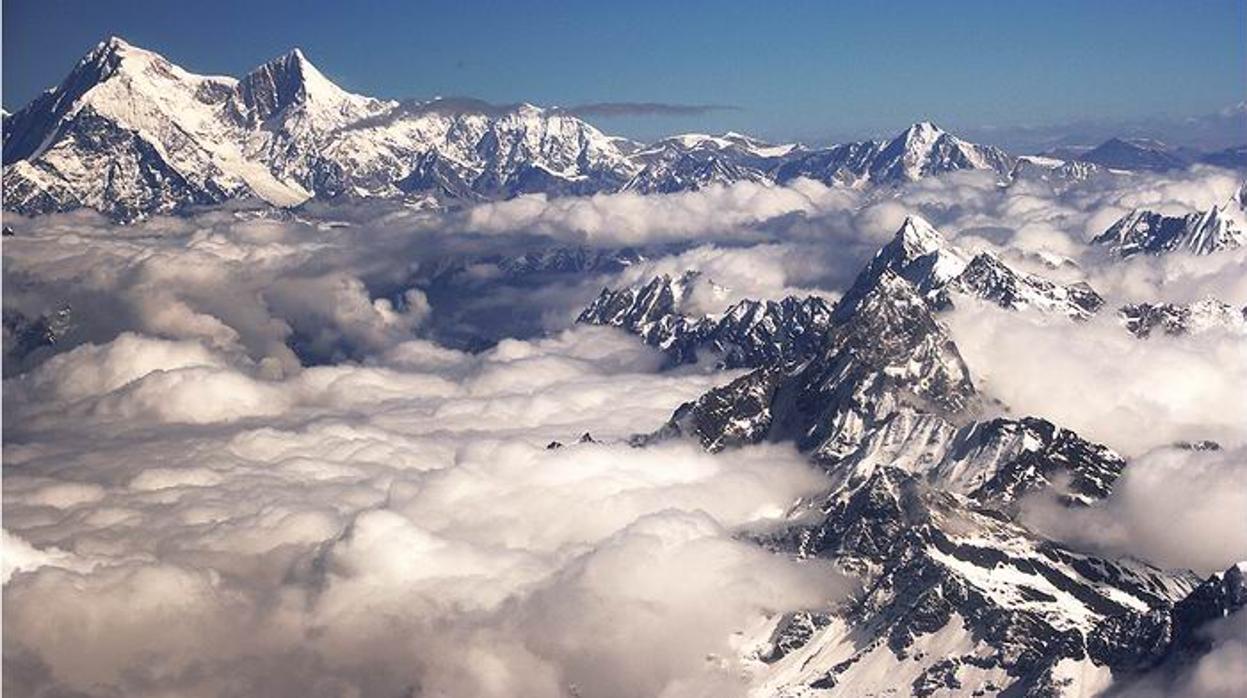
{"type": "Point", "coordinates": [654, 312]}
{"type": "Point", "coordinates": [921, 150]}
{"type": "Point", "coordinates": [748, 333]}
{"type": "Point", "coordinates": [129, 133]}
{"type": "Point", "coordinates": [994, 462]}
{"type": "Point", "coordinates": [1157, 647]}
{"type": "Point", "coordinates": [957, 600]}
{"type": "Point", "coordinates": [959, 596]}
{"type": "Point", "coordinates": [291, 112]}
{"type": "Point", "coordinates": [919, 254]}
{"type": "Point", "coordinates": [752, 333]}
{"type": "Point", "coordinates": [888, 388]}
{"type": "Point", "coordinates": [117, 171]}
{"type": "Point", "coordinates": [885, 353]}
{"type": "Point", "coordinates": [1217, 597]}
{"type": "Point", "coordinates": [990, 279]}
{"type": "Point", "coordinates": [1208, 314]}
{"type": "Point", "coordinates": [1147, 232]}
{"type": "Point", "coordinates": [694, 161]}
{"type": "Point", "coordinates": [940, 272]}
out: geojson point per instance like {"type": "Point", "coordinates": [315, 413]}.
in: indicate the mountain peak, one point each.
{"type": "Point", "coordinates": [115, 43]}
{"type": "Point", "coordinates": [1149, 232]}
{"type": "Point", "coordinates": [922, 133]}
{"type": "Point", "coordinates": [297, 61]}
{"type": "Point", "coordinates": [1134, 154]}
{"type": "Point", "coordinates": [287, 80]}
{"type": "Point", "coordinates": [924, 127]}
{"type": "Point", "coordinates": [919, 235]}
{"type": "Point", "coordinates": [104, 59]}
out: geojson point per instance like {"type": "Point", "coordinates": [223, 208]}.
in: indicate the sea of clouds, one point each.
{"type": "Point", "coordinates": [306, 454]}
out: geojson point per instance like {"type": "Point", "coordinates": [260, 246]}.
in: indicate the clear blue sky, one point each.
{"type": "Point", "coordinates": [806, 69]}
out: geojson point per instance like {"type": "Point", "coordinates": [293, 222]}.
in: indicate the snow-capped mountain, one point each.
{"type": "Point", "coordinates": [289, 110]}
{"type": "Point", "coordinates": [940, 272]}
{"type": "Point", "coordinates": [1147, 232]}
{"type": "Point", "coordinates": [1056, 173]}
{"type": "Point", "coordinates": [1207, 314]}
{"type": "Point", "coordinates": [959, 601]}
{"type": "Point", "coordinates": [748, 333]}
{"type": "Point", "coordinates": [887, 386]}
{"type": "Point", "coordinates": [988, 278]}
{"type": "Point", "coordinates": [460, 149]}
{"type": "Point", "coordinates": [886, 351]}
{"type": "Point", "coordinates": [693, 161]}
{"type": "Point", "coordinates": [920, 150]}
{"type": "Point", "coordinates": [129, 133]}
{"type": "Point", "coordinates": [959, 596]}
{"type": "Point", "coordinates": [752, 333]}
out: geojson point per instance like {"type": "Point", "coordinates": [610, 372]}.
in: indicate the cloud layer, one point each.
{"type": "Point", "coordinates": [306, 454]}
{"type": "Point", "coordinates": [385, 527]}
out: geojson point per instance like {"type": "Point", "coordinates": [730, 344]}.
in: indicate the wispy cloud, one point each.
{"type": "Point", "coordinates": [648, 109]}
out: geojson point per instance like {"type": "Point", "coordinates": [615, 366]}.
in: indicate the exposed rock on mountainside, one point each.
{"type": "Point", "coordinates": [1142, 319]}
{"type": "Point", "coordinates": [1147, 232]}
{"type": "Point", "coordinates": [921, 150]}
{"type": "Point", "coordinates": [749, 333]}
{"type": "Point", "coordinates": [129, 133]}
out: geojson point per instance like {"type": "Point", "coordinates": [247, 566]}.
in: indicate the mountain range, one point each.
{"type": "Point", "coordinates": [129, 134]}
{"type": "Point", "coordinates": [1147, 232]}
{"type": "Point", "coordinates": [928, 474]}
{"type": "Point", "coordinates": [1148, 154]}
{"type": "Point", "coordinates": [960, 596]}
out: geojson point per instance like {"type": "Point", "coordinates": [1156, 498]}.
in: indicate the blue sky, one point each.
{"type": "Point", "coordinates": [813, 70]}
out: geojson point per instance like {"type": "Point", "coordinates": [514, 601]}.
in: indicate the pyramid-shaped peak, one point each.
{"type": "Point", "coordinates": [115, 43]}
{"type": "Point", "coordinates": [914, 221]}
{"type": "Point", "coordinates": [108, 54]}
{"type": "Point", "coordinates": [886, 289]}
{"type": "Point", "coordinates": [923, 130]}
{"type": "Point", "coordinates": [296, 60]}
{"type": "Point", "coordinates": [918, 234]}
{"type": "Point", "coordinates": [914, 143]}
{"type": "Point", "coordinates": [286, 80]}
{"type": "Point", "coordinates": [296, 64]}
